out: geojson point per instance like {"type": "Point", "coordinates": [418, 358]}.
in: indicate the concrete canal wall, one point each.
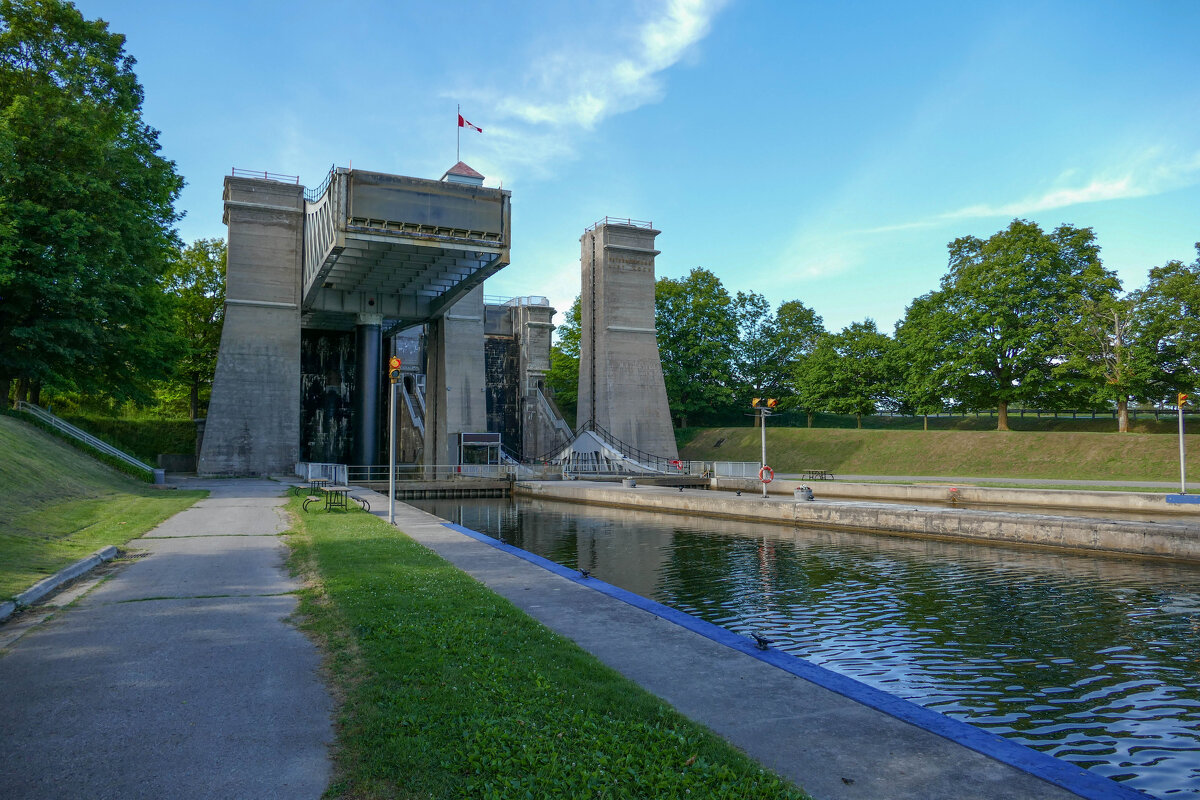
{"type": "Point", "coordinates": [1175, 538]}
{"type": "Point", "coordinates": [1073, 499]}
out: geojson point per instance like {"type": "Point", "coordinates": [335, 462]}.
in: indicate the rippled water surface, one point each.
{"type": "Point", "coordinates": [1094, 660]}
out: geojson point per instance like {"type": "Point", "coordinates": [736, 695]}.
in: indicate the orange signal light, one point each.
{"type": "Point", "coordinates": [1182, 399]}
{"type": "Point", "coordinates": [772, 402]}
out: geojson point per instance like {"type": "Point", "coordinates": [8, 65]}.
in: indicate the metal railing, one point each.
{"type": "Point", "coordinates": [634, 223]}
{"type": "Point", "coordinates": [362, 473]}
{"type": "Point", "coordinates": [61, 425]}
{"type": "Point", "coordinates": [549, 408]}
{"type": "Point", "coordinates": [525, 300]}
{"type": "Point", "coordinates": [334, 473]}
{"type": "Point", "coordinates": [238, 172]}
{"type": "Point", "coordinates": [314, 194]}
{"type": "Point", "coordinates": [735, 469]}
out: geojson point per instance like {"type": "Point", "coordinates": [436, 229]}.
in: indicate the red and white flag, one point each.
{"type": "Point", "coordinates": [462, 123]}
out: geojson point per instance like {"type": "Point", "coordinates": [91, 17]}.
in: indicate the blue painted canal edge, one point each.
{"type": "Point", "coordinates": [1048, 768]}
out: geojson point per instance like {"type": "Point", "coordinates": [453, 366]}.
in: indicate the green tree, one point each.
{"type": "Point", "coordinates": [696, 322]}
{"type": "Point", "coordinates": [1107, 359]}
{"type": "Point", "coordinates": [758, 351]}
{"type": "Point", "coordinates": [997, 321]}
{"type": "Point", "coordinates": [1169, 327]}
{"type": "Point", "coordinates": [852, 372]}
{"type": "Point", "coordinates": [798, 329]}
{"type": "Point", "coordinates": [563, 377]}
{"type": "Point", "coordinates": [770, 344]}
{"type": "Point", "coordinates": [195, 282]}
{"type": "Point", "coordinates": [922, 373]}
{"type": "Point", "coordinates": [86, 208]}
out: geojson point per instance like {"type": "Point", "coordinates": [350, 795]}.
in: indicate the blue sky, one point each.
{"type": "Point", "coordinates": [825, 152]}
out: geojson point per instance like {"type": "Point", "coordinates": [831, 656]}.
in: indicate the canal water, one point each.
{"type": "Point", "coordinates": [1092, 659]}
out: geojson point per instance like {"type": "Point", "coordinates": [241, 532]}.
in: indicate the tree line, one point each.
{"type": "Point", "coordinates": [1025, 317]}
{"type": "Point", "coordinates": [98, 296]}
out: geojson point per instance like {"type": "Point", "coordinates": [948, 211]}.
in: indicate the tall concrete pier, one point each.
{"type": "Point", "coordinates": [253, 425]}
{"type": "Point", "coordinates": [621, 384]}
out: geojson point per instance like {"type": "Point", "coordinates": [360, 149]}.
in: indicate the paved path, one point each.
{"type": "Point", "coordinates": [831, 745]}
{"type": "Point", "coordinates": [177, 677]}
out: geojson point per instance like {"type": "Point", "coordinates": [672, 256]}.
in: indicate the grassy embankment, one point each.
{"type": "Point", "coordinates": [448, 690]}
{"type": "Point", "coordinates": [1015, 454]}
{"type": "Point", "coordinates": [57, 505]}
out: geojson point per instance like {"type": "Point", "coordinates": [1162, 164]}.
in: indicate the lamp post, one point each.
{"type": "Point", "coordinates": [1182, 462]}
{"type": "Point", "coordinates": [394, 378]}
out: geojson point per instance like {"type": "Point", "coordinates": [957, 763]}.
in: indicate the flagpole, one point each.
{"type": "Point", "coordinates": [458, 137]}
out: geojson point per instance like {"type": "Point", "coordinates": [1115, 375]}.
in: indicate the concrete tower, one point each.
{"type": "Point", "coordinates": [621, 383]}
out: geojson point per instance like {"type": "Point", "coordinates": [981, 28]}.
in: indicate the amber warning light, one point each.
{"type": "Point", "coordinates": [394, 368]}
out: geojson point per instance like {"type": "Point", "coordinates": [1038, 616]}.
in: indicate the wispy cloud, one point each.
{"type": "Point", "coordinates": [1151, 172]}
{"type": "Point", "coordinates": [572, 90]}
{"type": "Point", "coordinates": [580, 89]}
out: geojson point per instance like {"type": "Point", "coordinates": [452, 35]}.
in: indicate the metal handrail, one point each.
{"type": "Point", "coordinates": [633, 223]}
{"type": "Point", "coordinates": [81, 435]}
{"type": "Point", "coordinates": [238, 172]}
{"type": "Point", "coordinates": [358, 473]}
{"type": "Point", "coordinates": [312, 195]}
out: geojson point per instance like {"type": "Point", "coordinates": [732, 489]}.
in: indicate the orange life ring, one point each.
{"type": "Point", "coordinates": [766, 474]}
{"type": "Point", "coordinates": [677, 464]}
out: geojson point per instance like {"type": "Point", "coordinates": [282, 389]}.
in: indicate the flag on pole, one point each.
{"type": "Point", "coordinates": [462, 123]}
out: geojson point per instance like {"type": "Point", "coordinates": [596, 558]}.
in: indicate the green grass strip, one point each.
{"type": "Point", "coordinates": [58, 505]}
{"type": "Point", "coordinates": [448, 690]}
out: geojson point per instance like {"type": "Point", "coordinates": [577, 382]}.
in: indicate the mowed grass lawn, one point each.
{"type": "Point", "coordinates": [985, 454]}
{"type": "Point", "coordinates": [58, 505]}
{"type": "Point", "coordinates": [448, 690]}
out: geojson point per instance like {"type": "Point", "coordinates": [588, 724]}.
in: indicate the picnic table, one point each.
{"type": "Point", "coordinates": [335, 496]}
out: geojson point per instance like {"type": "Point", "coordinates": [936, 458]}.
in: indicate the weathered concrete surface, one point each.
{"type": "Point", "coordinates": [952, 491]}
{"type": "Point", "coordinates": [832, 746]}
{"type": "Point", "coordinates": [620, 372]}
{"type": "Point", "coordinates": [253, 425]}
{"type": "Point", "coordinates": [178, 677]}
{"type": "Point", "coordinates": [454, 384]}
{"type": "Point", "coordinates": [1167, 539]}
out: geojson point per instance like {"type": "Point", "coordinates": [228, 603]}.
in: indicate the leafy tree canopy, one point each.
{"type": "Point", "coordinates": [995, 325]}
{"type": "Point", "coordinates": [696, 322]}
{"type": "Point", "coordinates": [851, 372]}
{"type": "Point", "coordinates": [86, 208]}
{"type": "Point", "coordinates": [195, 283]}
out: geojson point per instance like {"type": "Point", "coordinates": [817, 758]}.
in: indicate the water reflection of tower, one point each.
{"type": "Point", "coordinates": [766, 569]}
{"type": "Point", "coordinates": [605, 542]}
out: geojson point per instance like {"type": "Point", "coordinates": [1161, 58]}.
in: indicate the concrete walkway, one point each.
{"type": "Point", "coordinates": [833, 746]}
{"type": "Point", "coordinates": [177, 677]}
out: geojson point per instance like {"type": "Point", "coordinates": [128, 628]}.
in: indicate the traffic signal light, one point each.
{"type": "Point", "coordinates": [1182, 399]}
{"type": "Point", "coordinates": [754, 403]}
{"type": "Point", "coordinates": [772, 402]}
{"type": "Point", "coordinates": [394, 368]}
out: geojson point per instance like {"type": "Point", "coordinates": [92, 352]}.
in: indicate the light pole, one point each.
{"type": "Point", "coordinates": [1182, 462]}
{"type": "Point", "coordinates": [763, 406]}
{"type": "Point", "coordinates": [394, 377]}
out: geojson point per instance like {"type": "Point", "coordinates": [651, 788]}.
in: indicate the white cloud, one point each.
{"type": "Point", "coordinates": [1149, 173]}
{"type": "Point", "coordinates": [575, 88]}
{"type": "Point", "coordinates": [580, 89]}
